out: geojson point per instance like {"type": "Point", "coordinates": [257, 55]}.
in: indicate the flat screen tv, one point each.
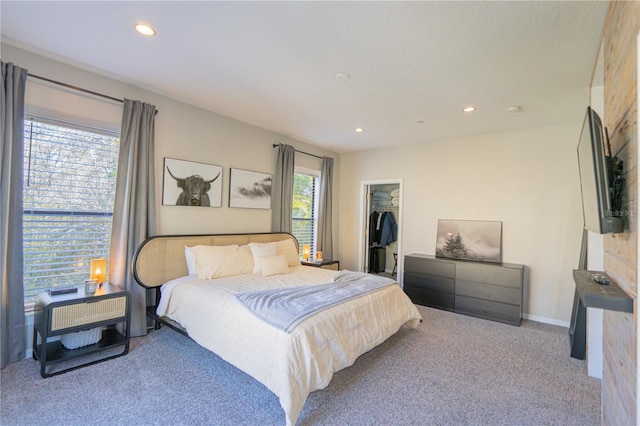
{"type": "Point", "coordinates": [597, 180]}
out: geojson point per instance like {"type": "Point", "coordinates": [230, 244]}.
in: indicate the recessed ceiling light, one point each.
{"type": "Point", "coordinates": [145, 29]}
{"type": "Point", "coordinates": [514, 108]}
{"type": "Point", "coordinates": [358, 130]}
{"type": "Point", "coordinates": [469, 108]}
{"type": "Point", "coordinates": [342, 76]}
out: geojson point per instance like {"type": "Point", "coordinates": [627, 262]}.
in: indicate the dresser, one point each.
{"type": "Point", "coordinates": [483, 290]}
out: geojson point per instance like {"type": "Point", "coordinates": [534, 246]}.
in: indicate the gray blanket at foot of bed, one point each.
{"type": "Point", "coordinates": [285, 308]}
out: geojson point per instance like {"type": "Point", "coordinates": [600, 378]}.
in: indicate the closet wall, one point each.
{"type": "Point", "coordinates": [384, 203]}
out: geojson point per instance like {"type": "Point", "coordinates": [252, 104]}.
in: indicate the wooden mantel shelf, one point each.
{"type": "Point", "coordinates": [595, 295]}
{"type": "Point", "coordinates": [590, 294]}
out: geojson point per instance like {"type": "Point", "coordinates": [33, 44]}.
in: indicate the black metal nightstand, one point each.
{"type": "Point", "coordinates": [324, 264]}
{"type": "Point", "coordinates": [62, 314]}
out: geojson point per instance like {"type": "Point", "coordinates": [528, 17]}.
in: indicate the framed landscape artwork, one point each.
{"type": "Point", "coordinates": [250, 190]}
{"type": "Point", "coordinates": [187, 183]}
{"type": "Point", "coordinates": [469, 240]}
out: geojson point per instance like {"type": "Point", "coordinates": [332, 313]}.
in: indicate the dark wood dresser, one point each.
{"type": "Point", "coordinates": [483, 290]}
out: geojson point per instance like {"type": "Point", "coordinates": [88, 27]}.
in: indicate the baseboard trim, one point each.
{"type": "Point", "coordinates": [545, 320]}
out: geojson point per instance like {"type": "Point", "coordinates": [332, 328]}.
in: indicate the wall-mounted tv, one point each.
{"type": "Point", "coordinates": [599, 179]}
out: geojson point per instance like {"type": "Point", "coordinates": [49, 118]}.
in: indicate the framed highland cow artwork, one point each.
{"type": "Point", "coordinates": [469, 240]}
{"type": "Point", "coordinates": [187, 183]}
{"type": "Point", "coordinates": [250, 190]}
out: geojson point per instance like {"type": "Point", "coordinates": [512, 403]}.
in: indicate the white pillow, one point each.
{"type": "Point", "coordinates": [222, 261]}
{"type": "Point", "coordinates": [191, 260]}
{"type": "Point", "coordinates": [259, 250]}
{"type": "Point", "coordinates": [273, 265]}
{"type": "Point", "coordinates": [288, 249]}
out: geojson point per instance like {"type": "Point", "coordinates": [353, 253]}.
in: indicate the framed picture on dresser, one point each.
{"type": "Point", "coordinates": [477, 240]}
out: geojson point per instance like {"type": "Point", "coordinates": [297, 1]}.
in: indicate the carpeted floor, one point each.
{"type": "Point", "coordinates": [452, 370]}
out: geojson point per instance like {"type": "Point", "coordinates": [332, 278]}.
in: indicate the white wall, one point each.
{"type": "Point", "coordinates": [527, 179]}
{"type": "Point", "coordinates": [188, 133]}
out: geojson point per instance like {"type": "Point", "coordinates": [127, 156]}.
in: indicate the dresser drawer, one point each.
{"type": "Point", "coordinates": [430, 298]}
{"type": "Point", "coordinates": [495, 275]}
{"type": "Point", "coordinates": [429, 282]}
{"type": "Point", "coordinates": [430, 266]}
{"type": "Point", "coordinates": [495, 293]}
{"type": "Point", "coordinates": [488, 310]}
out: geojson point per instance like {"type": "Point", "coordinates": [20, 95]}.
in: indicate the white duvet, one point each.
{"type": "Point", "coordinates": [291, 365]}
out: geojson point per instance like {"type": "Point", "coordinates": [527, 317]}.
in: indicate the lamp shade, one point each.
{"type": "Point", "coordinates": [306, 251]}
{"type": "Point", "coordinates": [98, 270]}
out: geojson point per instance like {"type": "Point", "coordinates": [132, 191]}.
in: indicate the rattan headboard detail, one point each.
{"type": "Point", "coordinates": [160, 259]}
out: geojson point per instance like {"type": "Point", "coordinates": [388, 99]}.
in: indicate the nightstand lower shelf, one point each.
{"type": "Point", "coordinates": [54, 352]}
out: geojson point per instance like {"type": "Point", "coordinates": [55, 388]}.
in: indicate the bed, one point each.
{"type": "Point", "coordinates": [217, 312]}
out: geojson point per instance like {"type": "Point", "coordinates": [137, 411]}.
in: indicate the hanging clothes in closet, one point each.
{"type": "Point", "coordinates": [389, 232]}
{"type": "Point", "coordinates": [383, 230]}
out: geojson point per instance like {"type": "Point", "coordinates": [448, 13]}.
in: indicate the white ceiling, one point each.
{"type": "Point", "coordinates": [273, 64]}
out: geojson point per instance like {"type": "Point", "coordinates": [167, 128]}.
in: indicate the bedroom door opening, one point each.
{"type": "Point", "coordinates": [380, 232]}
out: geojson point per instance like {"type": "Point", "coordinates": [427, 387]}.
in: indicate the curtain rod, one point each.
{"type": "Point", "coordinates": [80, 89]}
{"type": "Point", "coordinates": [275, 145]}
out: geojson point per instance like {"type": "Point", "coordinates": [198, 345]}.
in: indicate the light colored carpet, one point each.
{"type": "Point", "coordinates": [453, 370]}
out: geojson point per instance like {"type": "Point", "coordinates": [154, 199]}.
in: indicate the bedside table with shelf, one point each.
{"type": "Point", "coordinates": [58, 315]}
{"type": "Point", "coordinates": [324, 264]}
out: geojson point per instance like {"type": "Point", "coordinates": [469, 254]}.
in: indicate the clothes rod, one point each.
{"type": "Point", "coordinates": [275, 145]}
{"type": "Point", "coordinates": [79, 89]}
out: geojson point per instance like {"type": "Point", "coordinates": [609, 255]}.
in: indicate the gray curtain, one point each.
{"type": "Point", "coordinates": [134, 213]}
{"type": "Point", "coordinates": [282, 190]}
{"type": "Point", "coordinates": [325, 227]}
{"type": "Point", "coordinates": [12, 320]}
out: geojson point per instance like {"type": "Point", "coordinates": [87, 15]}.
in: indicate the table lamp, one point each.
{"type": "Point", "coordinates": [98, 270]}
{"type": "Point", "coordinates": [306, 251]}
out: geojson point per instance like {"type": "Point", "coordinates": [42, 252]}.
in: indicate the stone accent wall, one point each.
{"type": "Point", "coordinates": [620, 250]}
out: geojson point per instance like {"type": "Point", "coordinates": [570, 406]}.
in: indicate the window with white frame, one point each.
{"type": "Point", "coordinates": [69, 190]}
{"type": "Point", "coordinates": [304, 220]}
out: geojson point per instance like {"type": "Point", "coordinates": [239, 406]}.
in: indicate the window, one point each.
{"type": "Point", "coordinates": [69, 190]}
{"type": "Point", "coordinates": [305, 207]}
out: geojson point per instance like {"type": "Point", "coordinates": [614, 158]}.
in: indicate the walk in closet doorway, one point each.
{"type": "Point", "coordinates": [380, 232]}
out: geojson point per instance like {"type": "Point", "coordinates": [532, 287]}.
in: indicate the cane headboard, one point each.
{"type": "Point", "coordinates": [161, 258]}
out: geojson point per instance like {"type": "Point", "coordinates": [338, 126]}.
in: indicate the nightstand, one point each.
{"type": "Point", "coordinates": [108, 310]}
{"type": "Point", "coordinates": [324, 264]}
